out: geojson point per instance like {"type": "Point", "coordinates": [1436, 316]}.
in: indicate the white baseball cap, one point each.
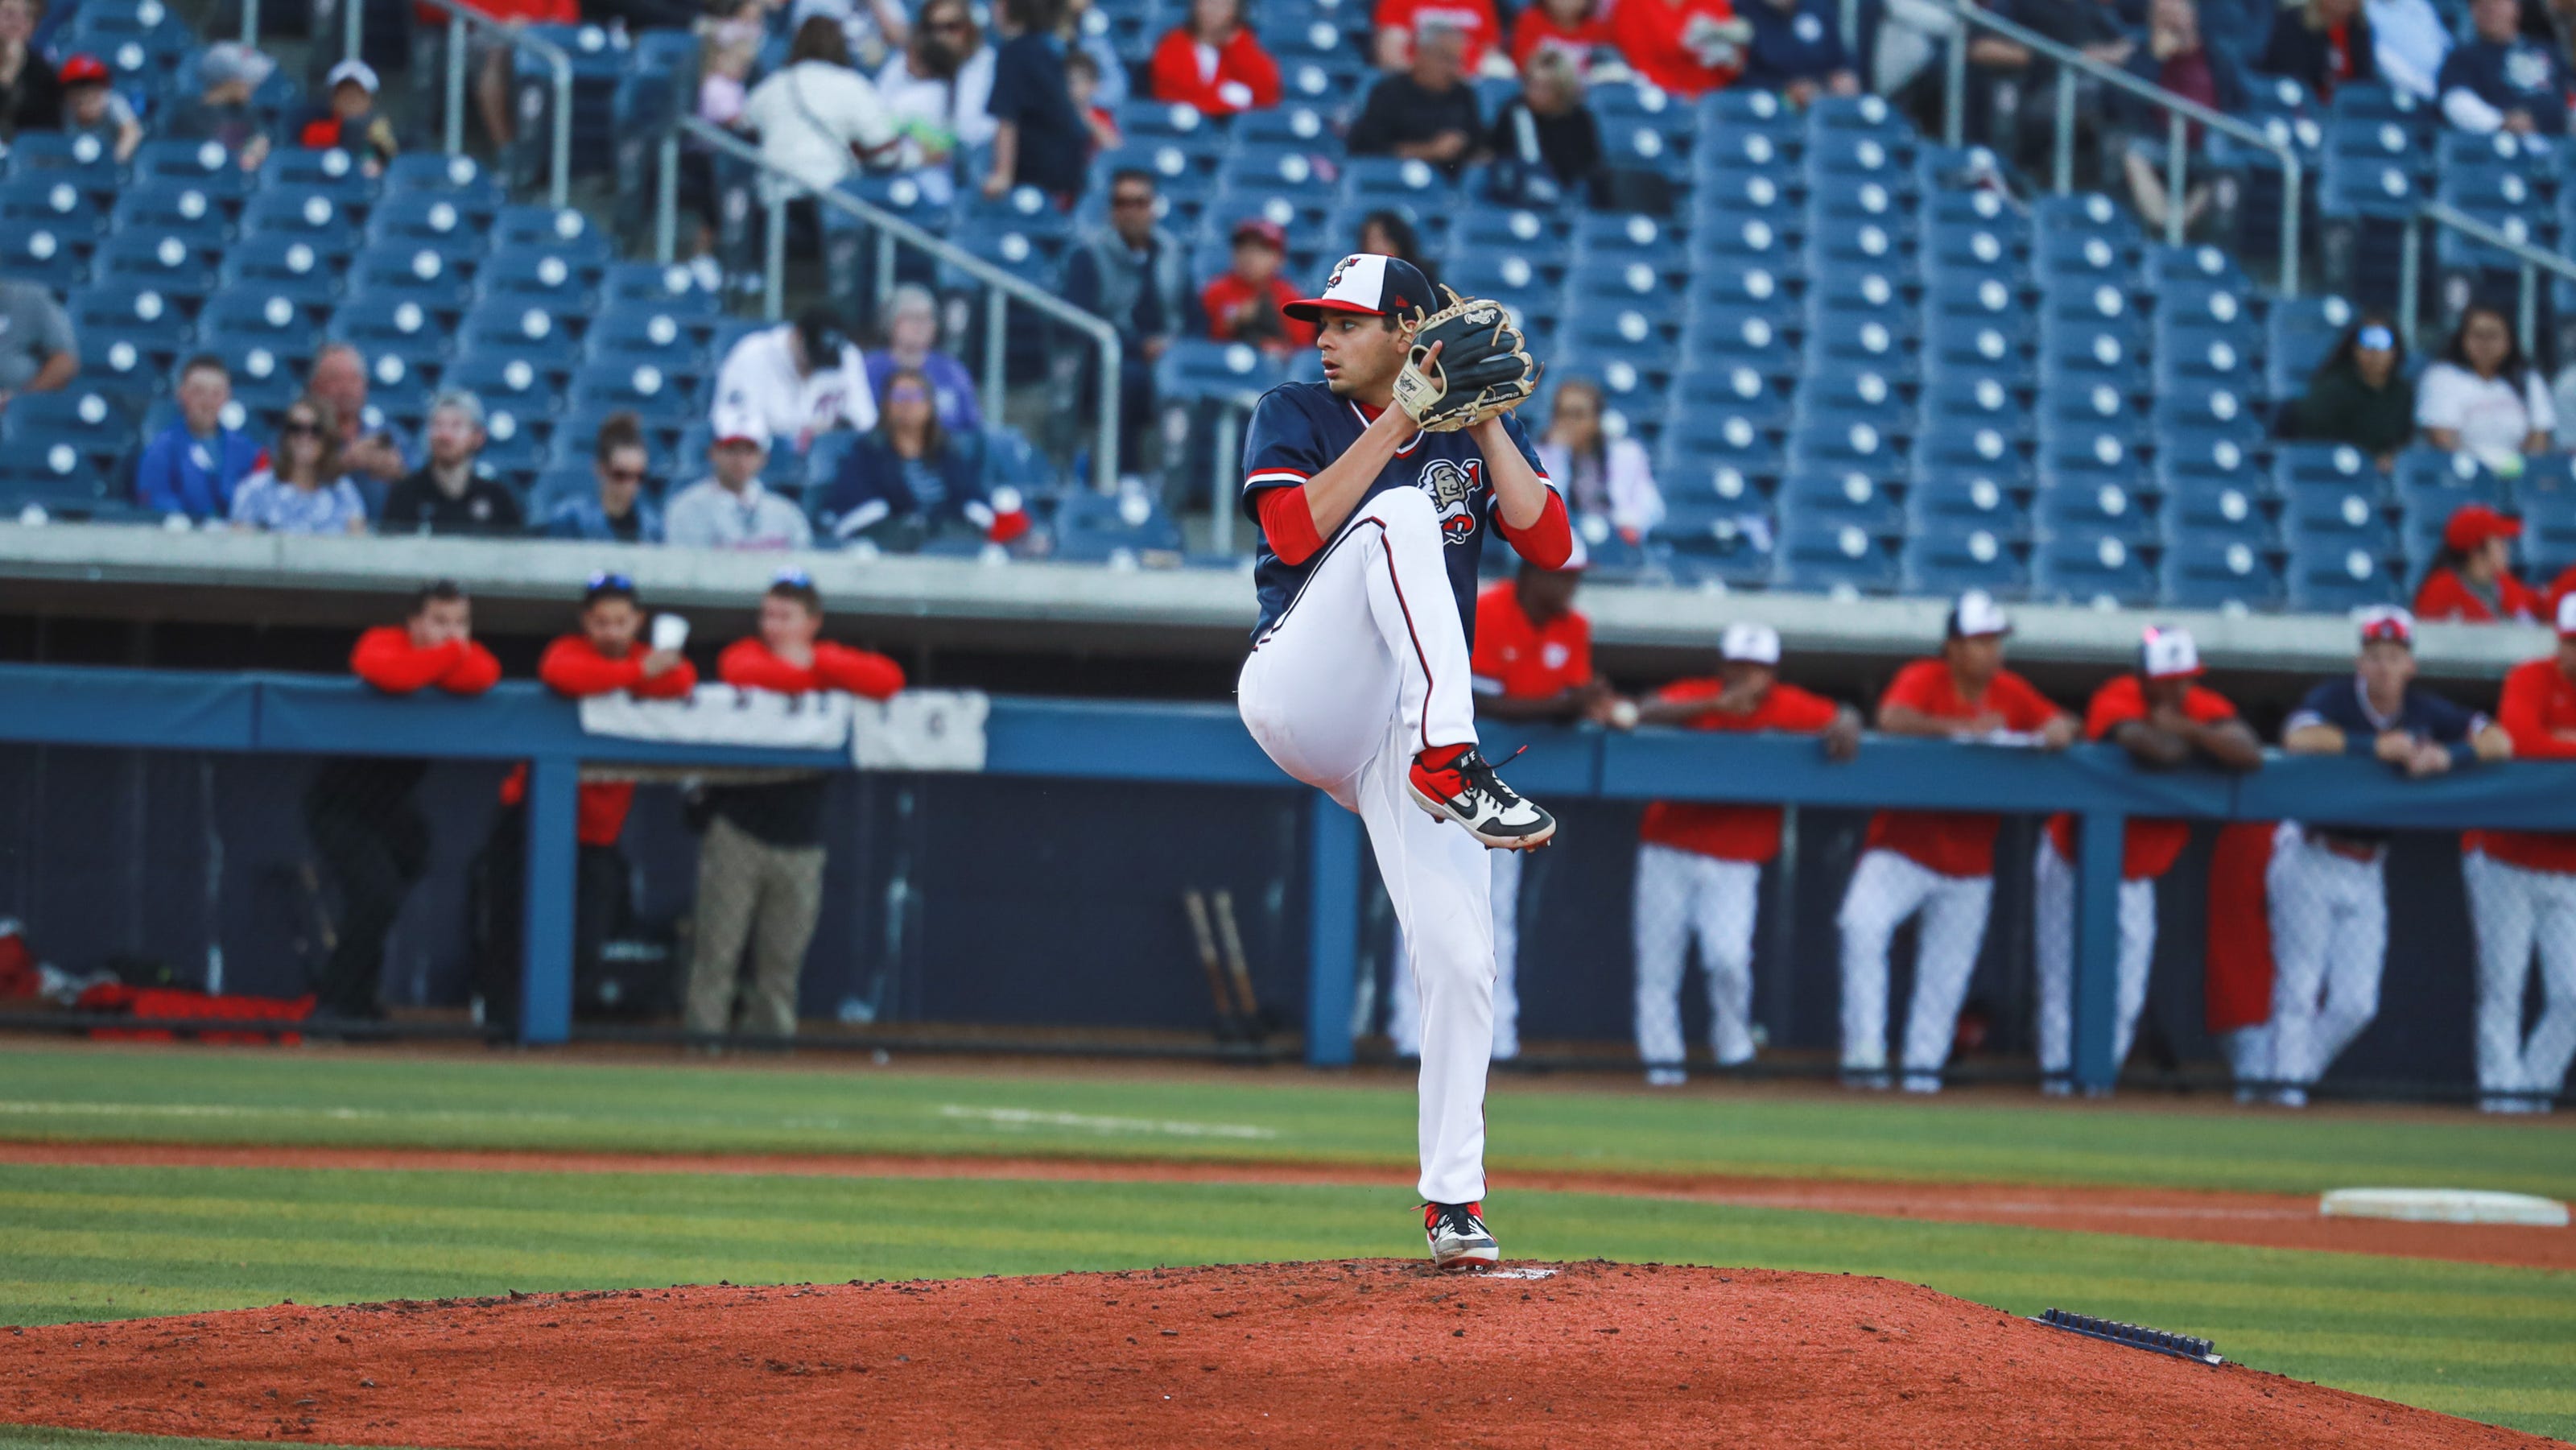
{"type": "Point", "coordinates": [2168, 654]}
{"type": "Point", "coordinates": [740, 425]}
{"type": "Point", "coordinates": [2386, 621]}
{"type": "Point", "coordinates": [353, 69]}
{"type": "Point", "coordinates": [1977, 615]}
{"type": "Point", "coordinates": [1749, 643]}
{"type": "Point", "coordinates": [2567, 613]}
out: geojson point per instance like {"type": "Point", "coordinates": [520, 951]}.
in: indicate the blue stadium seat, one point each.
{"type": "Point", "coordinates": [2336, 464]}
{"type": "Point", "coordinates": [1743, 110]}
{"type": "Point", "coordinates": [1699, 444]}
{"type": "Point", "coordinates": [2163, 266]}
{"type": "Point", "coordinates": [448, 225]}
{"type": "Point", "coordinates": [1196, 370]}
{"type": "Point", "coordinates": [523, 329]}
{"type": "Point", "coordinates": [1732, 198]}
{"type": "Point", "coordinates": [390, 325]}
{"type": "Point", "coordinates": [2091, 507]}
{"type": "Point", "coordinates": [2319, 516]}
{"type": "Point", "coordinates": [95, 423]}
{"type": "Point", "coordinates": [1952, 400]}
{"type": "Point", "coordinates": [144, 316]}
{"type": "Point", "coordinates": [503, 377]}
{"type": "Point", "coordinates": [1882, 345]}
{"type": "Point", "coordinates": [2225, 572]}
{"type": "Point", "coordinates": [57, 479]}
{"type": "Point", "coordinates": [2298, 335]}
{"type": "Point", "coordinates": [2097, 567]}
{"type": "Point", "coordinates": [125, 363]}
{"type": "Point", "coordinates": [1956, 500]}
{"type": "Point", "coordinates": [2337, 575]}
{"type": "Point", "coordinates": [273, 317]}
{"type": "Point", "coordinates": [199, 163]}
{"type": "Point", "coordinates": [642, 387]}
{"type": "Point", "coordinates": [280, 265]}
{"type": "Point", "coordinates": [2192, 459]}
{"type": "Point", "coordinates": [185, 208]}
{"type": "Point", "coordinates": [1950, 560]}
{"type": "Point", "coordinates": [676, 290]}
{"type": "Point", "coordinates": [1740, 389]}
{"type": "Point", "coordinates": [32, 251]}
{"type": "Point", "coordinates": [421, 274]}
{"type": "Point", "coordinates": [331, 174]}
{"type": "Point", "coordinates": [55, 204]}
{"type": "Point", "coordinates": [2428, 478]}
{"type": "Point", "coordinates": [532, 276]}
{"type": "Point", "coordinates": [1963, 348]}
{"type": "Point", "coordinates": [566, 234]}
{"type": "Point", "coordinates": [1816, 494]}
{"type": "Point", "coordinates": [461, 179]}
{"type": "Point", "coordinates": [83, 160]}
{"type": "Point", "coordinates": [1973, 449]}
{"type": "Point", "coordinates": [308, 213]}
{"type": "Point", "coordinates": [674, 343]}
{"type": "Point", "coordinates": [1830, 556]}
{"type": "Point", "coordinates": [167, 264]}
{"type": "Point", "coordinates": [268, 369]}
{"type": "Point", "coordinates": [1094, 528]}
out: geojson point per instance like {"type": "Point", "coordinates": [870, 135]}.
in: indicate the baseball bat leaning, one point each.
{"type": "Point", "coordinates": [1228, 1029]}
{"type": "Point", "coordinates": [1239, 969]}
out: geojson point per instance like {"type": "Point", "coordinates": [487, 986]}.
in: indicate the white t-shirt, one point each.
{"type": "Point", "coordinates": [810, 115]}
{"type": "Point", "coordinates": [759, 383]}
{"type": "Point", "coordinates": [946, 113]}
{"type": "Point", "coordinates": [2491, 415]}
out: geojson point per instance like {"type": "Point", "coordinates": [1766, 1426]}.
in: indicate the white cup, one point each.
{"type": "Point", "coordinates": [670, 632]}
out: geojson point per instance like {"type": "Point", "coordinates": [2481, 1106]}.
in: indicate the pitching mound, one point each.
{"type": "Point", "coordinates": [1368, 1353]}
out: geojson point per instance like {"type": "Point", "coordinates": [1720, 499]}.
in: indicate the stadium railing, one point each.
{"type": "Point", "coordinates": [2530, 262]}
{"type": "Point", "coordinates": [891, 231]}
{"type": "Point", "coordinates": [2180, 113]}
{"type": "Point", "coordinates": [461, 19]}
{"type": "Point", "coordinates": [1068, 743]}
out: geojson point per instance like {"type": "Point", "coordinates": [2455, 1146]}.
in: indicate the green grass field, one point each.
{"type": "Point", "coordinates": [108, 1242]}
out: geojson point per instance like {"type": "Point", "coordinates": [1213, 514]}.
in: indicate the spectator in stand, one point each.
{"type": "Point", "coordinates": [798, 380]}
{"type": "Point", "coordinates": [2162, 718]}
{"type": "Point", "coordinates": [1242, 304]}
{"type": "Point", "coordinates": [1401, 23]}
{"type": "Point", "coordinates": [610, 654]}
{"type": "Point", "coordinates": [2471, 580]}
{"type": "Point", "coordinates": [2483, 397]}
{"type": "Point", "coordinates": [728, 46]}
{"type": "Point", "coordinates": [1213, 61]}
{"type": "Point", "coordinates": [1039, 138]}
{"type": "Point", "coordinates": [1099, 123]}
{"type": "Point", "coordinates": [339, 380]}
{"type": "Point", "coordinates": [1545, 143]}
{"type": "Point", "coordinates": [2326, 888]}
{"type": "Point", "coordinates": [369, 837]}
{"type": "Point", "coordinates": [1603, 477]}
{"type": "Point", "coordinates": [760, 868]}
{"type": "Point", "coordinates": [870, 30]}
{"type": "Point", "coordinates": [2410, 42]}
{"type": "Point", "coordinates": [303, 489]}
{"type": "Point", "coordinates": [1685, 47]}
{"type": "Point", "coordinates": [1699, 867]}
{"type": "Point", "coordinates": [1532, 662]}
{"type": "Point", "coordinates": [1390, 233]}
{"type": "Point", "coordinates": [2176, 59]}
{"type": "Point", "coordinates": [1081, 30]}
{"type": "Point", "coordinates": [729, 509]}
{"type": "Point", "coordinates": [940, 94]}
{"type": "Point", "coordinates": [618, 513]}
{"type": "Point", "coordinates": [1135, 275]}
{"type": "Point", "coordinates": [2503, 80]}
{"type": "Point", "coordinates": [31, 95]}
{"type": "Point", "coordinates": [230, 74]}
{"type": "Point", "coordinates": [2321, 44]}
{"type": "Point", "coordinates": [492, 58]}
{"type": "Point", "coordinates": [911, 341]}
{"type": "Point", "coordinates": [818, 119]}
{"type": "Point", "coordinates": [451, 493]}
{"type": "Point", "coordinates": [2522, 895]}
{"type": "Point", "coordinates": [1797, 49]}
{"type": "Point", "coordinates": [192, 468]}
{"type": "Point", "coordinates": [347, 119]}
{"type": "Point", "coordinates": [1572, 28]}
{"type": "Point", "coordinates": [1427, 113]}
{"type": "Point", "coordinates": [1937, 863]}
{"type": "Point", "coordinates": [2359, 395]}
{"type": "Point", "coordinates": [908, 483]}
{"type": "Point", "coordinates": [91, 107]}
{"type": "Point", "coordinates": [38, 351]}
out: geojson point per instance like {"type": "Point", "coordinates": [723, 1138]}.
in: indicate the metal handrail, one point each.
{"type": "Point", "coordinates": [459, 19]}
{"type": "Point", "coordinates": [999, 285]}
{"type": "Point", "coordinates": [2534, 261]}
{"type": "Point", "coordinates": [2179, 110]}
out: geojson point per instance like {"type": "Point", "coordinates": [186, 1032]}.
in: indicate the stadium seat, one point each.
{"type": "Point", "coordinates": [1949, 560]}
{"type": "Point", "coordinates": [2337, 577]}
{"type": "Point", "coordinates": [1815, 493]}
{"type": "Point", "coordinates": [2097, 567]}
{"type": "Point", "coordinates": [55, 204]}
{"type": "Point", "coordinates": [302, 212]}
{"type": "Point", "coordinates": [436, 221]}
{"type": "Point", "coordinates": [95, 423]}
{"type": "Point", "coordinates": [331, 174]}
{"type": "Point", "coordinates": [1833, 557]}
{"type": "Point", "coordinates": [32, 251]}
{"type": "Point", "coordinates": [279, 265]}
{"type": "Point", "coordinates": [420, 274]}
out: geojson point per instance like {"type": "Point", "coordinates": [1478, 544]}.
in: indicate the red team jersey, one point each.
{"type": "Point", "coordinates": [1650, 34]}
{"type": "Point", "coordinates": [574, 668]}
{"type": "Point", "coordinates": [2151, 846]}
{"type": "Point", "coordinates": [1954, 843]}
{"type": "Point", "coordinates": [1518, 660]}
{"type": "Point", "coordinates": [2445, 597]}
{"type": "Point", "coordinates": [2539, 703]}
{"type": "Point", "coordinates": [1732, 833]}
{"type": "Point", "coordinates": [1537, 30]}
{"type": "Point", "coordinates": [1473, 18]}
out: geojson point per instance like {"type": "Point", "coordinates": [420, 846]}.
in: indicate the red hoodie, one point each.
{"type": "Point", "coordinates": [573, 667]}
{"type": "Point", "coordinates": [749, 664]}
{"type": "Point", "coordinates": [386, 658]}
{"type": "Point", "coordinates": [1180, 73]}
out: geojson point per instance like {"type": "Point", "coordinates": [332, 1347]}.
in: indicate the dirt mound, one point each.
{"type": "Point", "coordinates": [1360, 1353]}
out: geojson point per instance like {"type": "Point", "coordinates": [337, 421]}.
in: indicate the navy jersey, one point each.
{"type": "Point", "coordinates": [1298, 429]}
{"type": "Point", "coordinates": [2345, 705]}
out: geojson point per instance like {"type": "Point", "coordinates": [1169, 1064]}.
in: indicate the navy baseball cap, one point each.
{"type": "Point", "coordinates": [1369, 285]}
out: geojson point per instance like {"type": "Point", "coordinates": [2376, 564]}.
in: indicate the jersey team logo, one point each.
{"type": "Point", "coordinates": [1452, 486]}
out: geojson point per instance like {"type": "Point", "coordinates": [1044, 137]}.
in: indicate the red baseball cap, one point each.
{"type": "Point", "coordinates": [1367, 284]}
{"type": "Point", "coordinates": [84, 69]}
{"type": "Point", "coordinates": [2474, 524]}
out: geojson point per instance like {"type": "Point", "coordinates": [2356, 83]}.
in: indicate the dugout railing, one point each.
{"type": "Point", "coordinates": [1054, 756]}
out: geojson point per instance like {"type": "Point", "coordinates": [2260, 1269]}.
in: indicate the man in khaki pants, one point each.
{"type": "Point", "coordinates": [760, 868]}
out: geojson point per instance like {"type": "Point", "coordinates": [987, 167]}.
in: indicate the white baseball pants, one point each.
{"type": "Point", "coordinates": [2249, 1058]}
{"type": "Point", "coordinates": [1404, 1004]}
{"type": "Point", "coordinates": [1366, 669]}
{"type": "Point", "coordinates": [2516, 910]}
{"type": "Point", "coordinates": [1886, 888]}
{"type": "Point", "coordinates": [1682, 895]}
{"type": "Point", "coordinates": [2329, 944]}
{"type": "Point", "coordinates": [2053, 911]}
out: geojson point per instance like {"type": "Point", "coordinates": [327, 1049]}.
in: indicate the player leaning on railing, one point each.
{"type": "Point", "coordinates": [1375, 490]}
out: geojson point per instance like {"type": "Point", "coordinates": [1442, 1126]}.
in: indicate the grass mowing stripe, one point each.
{"type": "Point", "coordinates": [2487, 1342]}
{"type": "Point", "coordinates": [245, 1096]}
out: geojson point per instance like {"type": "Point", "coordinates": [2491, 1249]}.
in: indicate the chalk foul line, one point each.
{"type": "Point", "coordinates": [1164, 1127]}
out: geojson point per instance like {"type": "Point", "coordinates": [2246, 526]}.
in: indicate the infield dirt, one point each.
{"type": "Point", "coordinates": [1339, 1353]}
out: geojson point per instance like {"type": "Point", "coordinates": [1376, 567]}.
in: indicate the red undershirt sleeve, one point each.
{"type": "Point", "coordinates": [1549, 540]}
{"type": "Point", "coordinates": [1289, 524]}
